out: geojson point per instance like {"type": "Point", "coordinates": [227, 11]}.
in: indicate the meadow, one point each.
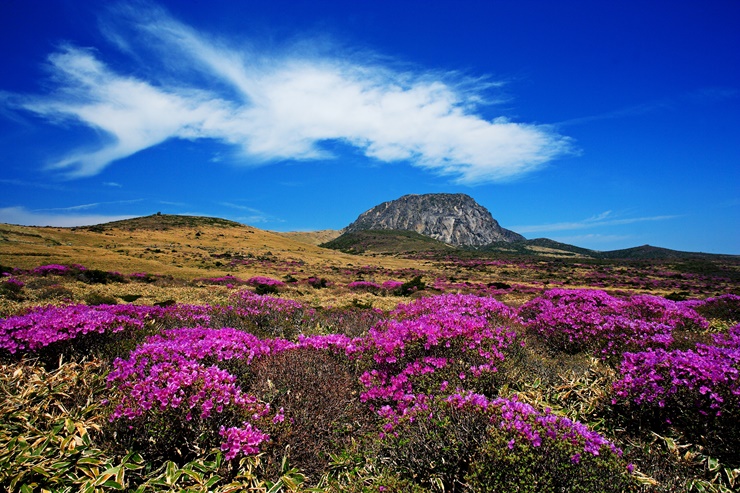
{"type": "Point", "coordinates": [210, 356]}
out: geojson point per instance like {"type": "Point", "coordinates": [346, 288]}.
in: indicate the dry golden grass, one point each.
{"type": "Point", "coordinates": [312, 237]}
{"type": "Point", "coordinates": [187, 253]}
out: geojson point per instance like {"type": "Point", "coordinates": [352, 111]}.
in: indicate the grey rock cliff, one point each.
{"type": "Point", "coordinates": [456, 219]}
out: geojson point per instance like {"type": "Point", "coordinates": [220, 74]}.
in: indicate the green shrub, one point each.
{"type": "Point", "coordinates": [410, 287]}
{"type": "Point", "coordinates": [94, 298]}
{"type": "Point", "coordinates": [549, 468]}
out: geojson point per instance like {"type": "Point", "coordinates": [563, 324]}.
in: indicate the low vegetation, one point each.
{"type": "Point", "coordinates": [425, 373]}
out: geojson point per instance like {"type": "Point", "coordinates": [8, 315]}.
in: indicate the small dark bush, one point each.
{"type": "Point", "coordinates": [726, 307]}
{"type": "Point", "coordinates": [96, 276]}
{"type": "Point", "coordinates": [96, 298]}
{"type": "Point", "coordinates": [320, 395]}
{"type": "Point", "coordinates": [351, 321]}
{"type": "Point", "coordinates": [130, 298]}
{"type": "Point", "coordinates": [499, 285]}
{"type": "Point", "coordinates": [436, 449]}
{"type": "Point", "coordinates": [11, 289]}
{"type": "Point", "coordinates": [678, 296]}
{"type": "Point", "coordinates": [54, 292]}
{"type": "Point", "coordinates": [265, 289]}
{"type": "Point", "coordinates": [317, 283]}
{"type": "Point", "coordinates": [410, 287]}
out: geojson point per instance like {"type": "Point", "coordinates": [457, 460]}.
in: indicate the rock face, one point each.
{"type": "Point", "coordinates": [456, 219]}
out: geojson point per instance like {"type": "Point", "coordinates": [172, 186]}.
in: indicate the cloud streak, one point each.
{"type": "Point", "coordinates": [603, 219]}
{"type": "Point", "coordinates": [274, 105]}
{"type": "Point", "coordinates": [21, 215]}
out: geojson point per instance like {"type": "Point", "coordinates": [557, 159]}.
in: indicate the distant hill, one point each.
{"type": "Point", "coordinates": [455, 219]}
{"type": "Point", "coordinates": [399, 242]}
{"type": "Point", "coordinates": [163, 222]}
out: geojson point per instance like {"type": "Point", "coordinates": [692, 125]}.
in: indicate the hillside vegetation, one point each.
{"type": "Point", "coordinates": [194, 354]}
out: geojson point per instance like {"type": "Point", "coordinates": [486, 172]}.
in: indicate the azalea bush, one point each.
{"type": "Point", "coordinates": [12, 288]}
{"type": "Point", "coordinates": [431, 345]}
{"type": "Point", "coordinates": [364, 286]}
{"type": "Point", "coordinates": [590, 320]}
{"type": "Point", "coordinates": [266, 316]}
{"type": "Point", "coordinates": [468, 442]}
{"type": "Point", "coordinates": [698, 390]}
{"type": "Point", "coordinates": [265, 285]}
{"type": "Point", "coordinates": [76, 329]}
{"type": "Point", "coordinates": [175, 404]}
{"type": "Point", "coordinates": [415, 393]}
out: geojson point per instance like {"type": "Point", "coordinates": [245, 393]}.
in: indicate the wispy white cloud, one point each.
{"type": "Point", "coordinates": [22, 183]}
{"type": "Point", "coordinates": [112, 184]}
{"type": "Point", "coordinates": [706, 95]}
{"type": "Point", "coordinates": [25, 217]}
{"type": "Point", "coordinates": [277, 105]}
{"type": "Point", "coordinates": [80, 207]}
{"type": "Point", "coordinates": [593, 239]}
{"type": "Point", "coordinates": [604, 219]}
{"type": "Point", "coordinates": [253, 215]}
{"type": "Point", "coordinates": [93, 205]}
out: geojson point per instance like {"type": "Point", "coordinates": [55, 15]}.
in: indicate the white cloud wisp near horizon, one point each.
{"type": "Point", "coordinates": [25, 217]}
{"type": "Point", "coordinates": [604, 219]}
{"type": "Point", "coordinates": [278, 105]}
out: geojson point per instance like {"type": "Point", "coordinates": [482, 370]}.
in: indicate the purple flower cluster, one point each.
{"type": "Point", "coordinates": [577, 320]}
{"type": "Point", "coordinates": [167, 373]}
{"type": "Point", "coordinates": [229, 281]}
{"type": "Point", "coordinates": [533, 425]}
{"type": "Point", "coordinates": [43, 326]}
{"type": "Point", "coordinates": [454, 331]}
{"type": "Point", "coordinates": [53, 269]}
{"type": "Point", "coordinates": [264, 281]}
{"type": "Point", "coordinates": [268, 309]}
{"type": "Point", "coordinates": [391, 285]}
{"type": "Point", "coordinates": [707, 377]}
{"type": "Point", "coordinates": [368, 286]}
{"type": "Point", "coordinates": [46, 325]}
{"type": "Point", "coordinates": [13, 284]}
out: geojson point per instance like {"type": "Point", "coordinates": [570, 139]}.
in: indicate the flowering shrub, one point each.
{"type": "Point", "coordinates": [229, 281]}
{"type": "Point", "coordinates": [579, 320]}
{"type": "Point", "coordinates": [434, 340]}
{"type": "Point", "coordinates": [266, 281]}
{"type": "Point", "coordinates": [676, 387]}
{"type": "Point", "coordinates": [53, 269]}
{"type": "Point", "coordinates": [12, 288]}
{"type": "Point", "coordinates": [502, 445]}
{"type": "Point", "coordinates": [365, 286]}
{"type": "Point", "coordinates": [165, 390]}
{"type": "Point", "coordinates": [45, 326]}
{"type": "Point", "coordinates": [392, 285]}
{"type": "Point", "coordinates": [457, 305]}
{"type": "Point", "coordinates": [711, 373]}
{"type": "Point", "coordinates": [265, 285]}
{"type": "Point", "coordinates": [266, 316]}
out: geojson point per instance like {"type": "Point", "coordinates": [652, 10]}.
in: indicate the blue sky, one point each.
{"type": "Point", "coordinates": [602, 124]}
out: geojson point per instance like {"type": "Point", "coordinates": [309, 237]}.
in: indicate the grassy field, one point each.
{"type": "Point", "coordinates": [284, 366]}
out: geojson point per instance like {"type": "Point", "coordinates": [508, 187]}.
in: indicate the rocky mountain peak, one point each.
{"type": "Point", "coordinates": [454, 218]}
